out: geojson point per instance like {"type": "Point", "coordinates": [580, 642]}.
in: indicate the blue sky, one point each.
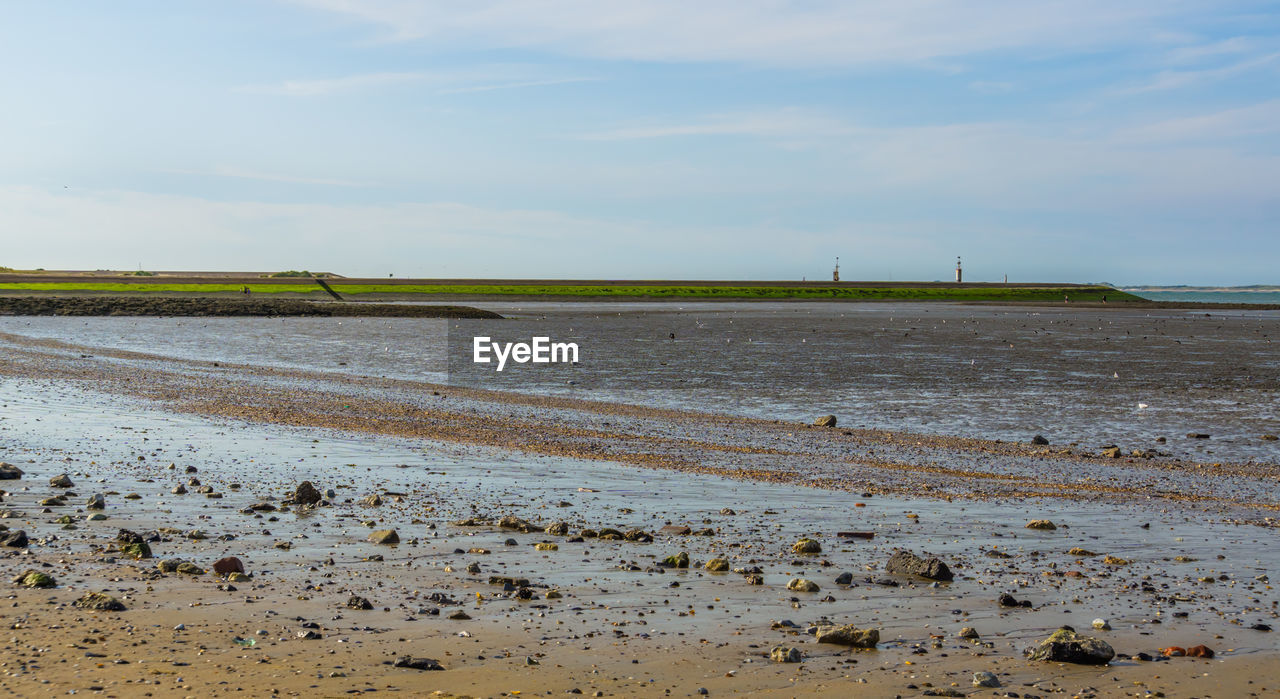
{"type": "Point", "coordinates": [1134, 142]}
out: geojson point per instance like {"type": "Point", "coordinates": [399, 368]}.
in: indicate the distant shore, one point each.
{"type": "Point", "coordinates": [122, 305]}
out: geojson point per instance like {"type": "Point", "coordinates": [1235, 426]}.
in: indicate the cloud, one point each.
{"type": "Point", "coordinates": [239, 173]}
{"type": "Point", "coordinates": [330, 86]}
{"type": "Point", "coordinates": [1223, 125]}
{"type": "Point", "coordinates": [765, 32]}
{"type": "Point", "coordinates": [1175, 79]}
{"type": "Point", "coordinates": [514, 85]}
{"type": "Point", "coordinates": [782, 123]}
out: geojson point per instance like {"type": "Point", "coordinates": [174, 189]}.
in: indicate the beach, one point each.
{"type": "Point", "coordinates": [1167, 536]}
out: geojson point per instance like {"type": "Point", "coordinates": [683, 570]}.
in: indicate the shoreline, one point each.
{"type": "Point", "coordinates": [130, 305]}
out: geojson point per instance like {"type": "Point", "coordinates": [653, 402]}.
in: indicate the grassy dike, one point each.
{"type": "Point", "coordinates": [894, 293]}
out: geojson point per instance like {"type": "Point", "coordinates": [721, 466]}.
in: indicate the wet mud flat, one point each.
{"type": "Point", "coordinates": [502, 576]}
{"type": "Point", "coordinates": [499, 499]}
{"type": "Point", "coordinates": [112, 305]}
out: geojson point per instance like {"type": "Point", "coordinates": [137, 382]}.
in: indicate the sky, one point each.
{"type": "Point", "coordinates": [1131, 142]}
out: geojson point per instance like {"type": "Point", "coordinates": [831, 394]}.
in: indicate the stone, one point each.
{"type": "Point", "coordinates": [825, 421]}
{"type": "Point", "coordinates": [61, 481]}
{"type": "Point", "coordinates": [100, 602]}
{"type": "Point", "coordinates": [544, 546]}
{"type": "Point", "coordinates": [513, 522]}
{"type": "Point", "coordinates": [1042, 525]}
{"type": "Point", "coordinates": [907, 563]}
{"type": "Point", "coordinates": [412, 663]}
{"type": "Point", "coordinates": [1173, 652]}
{"type": "Point", "coordinates": [560, 528]}
{"type": "Point", "coordinates": [9, 472]}
{"type": "Point", "coordinates": [178, 489]}
{"type": "Point", "coordinates": [136, 551]}
{"type": "Point", "coordinates": [985, 679]}
{"type": "Point", "coordinates": [188, 568]}
{"type": "Point", "coordinates": [1067, 646]}
{"type": "Point", "coordinates": [1081, 552]}
{"type": "Point", "coordinates": [1040, 441]}
{"type": "Point", "coordinates": [126, 536]}
{"type": "Point", "coordinates": [1200, 652]}
{"type": "Point", "coordinates": [806, 546]}
{"type": "Point", "coordinates": [755, 579]}
{"type": "Point", "coordinates": [637, 535]}
{"type": "Point", "coordinates": [1008, 600]}
{"type": "Point", "coordinates": [16, 539]}
{"type": "Point", "coordinates": [36, 579]}
{"type": "Point", "coordinates": [1115, 561]}
{"type": "Point", "coordinates": [305, 494]}
{"type": "Point", "coordinates": [358, 602]}
{"type": "Point", "coordinates": [96, 502]}
{"type": "Point", "coordinates": [227, 566]}
{"type": "Point", "coordinates": [1101, 624]}
{"type": "Point", "coordinates": [848, 635]}
{"type": "Point", "coordinates": [844, 579]}
{"type": "Point", "coordinates": [238, 577]}
{"type": "Point", "coordinates": [968, 633]}
{"type": "Point", "coordinates": [371, 500]}
{"type": "Point", "coordinates": [728, 511]}
{"type": "Point", "coordinates": [459, 616]}
{"type": "Point", "coordinates": [680, 560]}
{"type": "Point", "coordinates": [785, 654]}
{"type": "Point", "coordinates": [384, 536]}
{"type": "Point", "coordinates": [802, 585]}
{"type": "Point", "coordinates": [717, 565]}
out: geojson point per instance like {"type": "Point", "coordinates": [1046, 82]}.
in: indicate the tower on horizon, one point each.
{"type": "Point", "coordinates": [958, 275]}
{"type": "Point", "coordinates": [835, 274]}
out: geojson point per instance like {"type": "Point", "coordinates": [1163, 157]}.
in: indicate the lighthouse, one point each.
{"type": "Point", "coordinates": [958, 276]}
{"type": "Point", "coordinates": [835, 274]}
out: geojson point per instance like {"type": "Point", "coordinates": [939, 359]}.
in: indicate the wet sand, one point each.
{"type": "Point", "coordinates": [114, 422]}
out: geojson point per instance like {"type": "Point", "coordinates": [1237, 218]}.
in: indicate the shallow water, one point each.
{"type": "Point", "coordinates": [1073, 375]}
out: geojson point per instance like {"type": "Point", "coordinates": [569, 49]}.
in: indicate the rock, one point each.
{"type": "Point", "coordinates": [844, 579]}
{"type": "Point", "coordinates": [384, 536]}
{"type": "Point", "coordinates": [305, 494]}
{"type": "Point", "coordinates": [1067, 646]}
{"type": "Point", "coordinates": [61, 481]}
{"type": "Point", "coordinates": [9, 472]}
{"type": "Point", "coordinates": [136, 551]}
{"type": "Point", "coordinates": [785, 654]}
{"type": "Point", "coordinates": [1173, 652]}
{"type": "Point", "coordinates": [637, 535]}
{"type": "Point", "coordinates": [755, 579]}
{"type": "Point", "coordinates": [560, 528]}
{"type": "Point", "coordinates": [544, 546]}
{"type": "Point", "coordinates": [1197, 435]}
{"type": "Point", "coordinates": [1115, 561]}
{"type": "Point", "coordinates": [358, 602]}
{"type": "Point", "coordinates": [1265, 438]}
{"type": "Point", "coordinates": [227, 566]}
{"type": "Point", "coordinates": [680, 560]}
{"type": "Point", "coordinates": [728, 511]}
{"type": "Point", "coordinates": [34, 578]}
{"type": "Point", "coordinates": [806, 546]}
{"type": "Point", "coordinates": [371, 500]}
{"type": "Point", "coordinates": [1039, 441]}
{"type": "Point", "coordinates": [506, 580]}
{"type": "Point", "coordinates": [513, 522]}
{"type": "Point", "coordinates": [553, 594]}
{"type": "Point", "coordinates": [825, 421]}
{"type": "Point", "coordinates": [1101, 625]}
{"type": "Point", "coordinates": [417, 663]}
{"type": "Point", "coordinates": [985, 679]}
{"type": "Point", "coordinates": [802, 585]}
{"type": "Point", "coordinates": [968, 632]}
{"type": "Point", "coordinates": [100, 602]}
{"type": "Point", "coordinates": [178, 489]}
{"type": "Point", "coordinates": [1111, 452]}
{"type": "Point", "coordinates": [1007, 600]}
{"type": "Point", "coordinates": [460, 615]}
{"type": "Point", "coordinates": [848, 635]}
{"type": "Point", "coordinates": [717, 565]}
{"type": "Point", "coordinates": [16, 540]}
{"type": "Point", "coordinates": [188, 568]}
{"type": "Point", "coordinates": [125, 536]}
{"type": "Point", "coordinates": [1200, 652]}
{"type": "Point", "coordinates": [1081, 552]}
{"type": "Point", "coordinates": [1042, 525]}
{"type": "Point", "coordinates": [96, 502]}
{"type": "Point", "coordinates": [907, 563]}
{"type": "Point", "coordinates": [676, 530]}
{"type": "Point", "coordinates": [238, 577]}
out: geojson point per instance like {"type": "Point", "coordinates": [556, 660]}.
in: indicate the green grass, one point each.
{"type": "Point", "coordinates": [749, 292]}
{"type": "Point", "coordinates": [153, 288]}
{"type": "Point", "coordinates": [692, 292]}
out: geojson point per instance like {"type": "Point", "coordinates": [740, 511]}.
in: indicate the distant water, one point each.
{"type": "Point", "coordinates": [1201, 295]}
